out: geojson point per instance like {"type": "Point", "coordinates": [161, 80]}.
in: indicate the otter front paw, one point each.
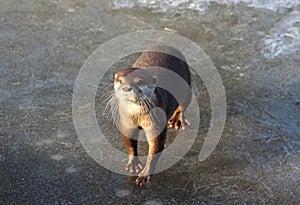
{"type": "Point", "coordinates": [134, 165]}
{"type": "Point", "coordinates": [143, 180]}
{"type": "Point", "coordinates": [178, 120]}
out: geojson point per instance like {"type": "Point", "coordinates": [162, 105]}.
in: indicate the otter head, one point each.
{"type": "Point", "coordinates": [134, 88]}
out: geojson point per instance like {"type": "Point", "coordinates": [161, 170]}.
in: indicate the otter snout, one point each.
{"type": "Point", "coordinates": [133, 93]}
{"type": "Point", "coordinates": [126, 88]}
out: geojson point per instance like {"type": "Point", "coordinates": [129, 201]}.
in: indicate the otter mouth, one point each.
{"type": "Point", "coordinates": [132, 99]}
{"type": "Point", "coordinates": [139, 99]}
{"type": "Point", "coordinates": [136, 100]}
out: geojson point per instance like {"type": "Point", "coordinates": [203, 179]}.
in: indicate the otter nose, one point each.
{"type": "Point", "coordinates": [126, 88]}
{"type": "Point", "coordinates": [139, 92]}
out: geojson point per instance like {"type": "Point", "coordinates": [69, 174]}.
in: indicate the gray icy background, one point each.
{"type": "Point", "coordinates": [254, 44]}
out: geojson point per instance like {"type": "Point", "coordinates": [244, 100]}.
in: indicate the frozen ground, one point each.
{"type": "Point", "coordinates": [255, 47]}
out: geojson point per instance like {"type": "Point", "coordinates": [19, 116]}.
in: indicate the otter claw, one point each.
{"type": "Point", "coordinates": [134, 166]}
{"type": "Point", "coordinates": [142, 180]}
{"type": "Point", "coordinates": [183, 124]}
{"type": "Point", "coordinates": [178, 120]}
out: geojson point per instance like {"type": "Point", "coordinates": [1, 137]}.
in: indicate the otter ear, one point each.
{"type": "Point", "coordinates": [153, 84]}
{"type": "Point", "coordinates": [116, 75]}
{"type": "Point", "coordinates": [154, 80]}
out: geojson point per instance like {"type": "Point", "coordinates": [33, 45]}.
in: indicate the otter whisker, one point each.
{"type": "Point", "coordinates": [107, 96]}
{"type": "Point", "coordinates": [151, 104]}
{"type": "Point", "coordinates": [109, 102]}
{"type": "Point", "coordinates": [107, 92]}
{"type": "Point", "coordinates": [147, 106]}
{"type": "Point", "coordinates": [111, 105]}
{"type": "Point", "coordinates": [114, 104]}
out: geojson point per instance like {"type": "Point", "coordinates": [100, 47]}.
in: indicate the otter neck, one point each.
{"type": "Point", "coordinates": [136, 115]}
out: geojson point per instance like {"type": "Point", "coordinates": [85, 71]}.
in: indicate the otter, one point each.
{"type": "Point", "coordinates": [137, 93]}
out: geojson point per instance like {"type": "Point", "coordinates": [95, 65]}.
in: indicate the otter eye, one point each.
{"type": "Point", "coordinates": [140, 82]}
{"type": "Point", "coordinates": [120, 81]}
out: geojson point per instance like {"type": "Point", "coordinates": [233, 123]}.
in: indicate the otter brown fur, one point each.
{"type": "Point", "coordinates": [137, 93]}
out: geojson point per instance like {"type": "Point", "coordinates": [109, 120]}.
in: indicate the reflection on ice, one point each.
{"type": "Point", "coordinates": [284, 38]}
{"type": "Point", "coordinates": [202, 5]}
